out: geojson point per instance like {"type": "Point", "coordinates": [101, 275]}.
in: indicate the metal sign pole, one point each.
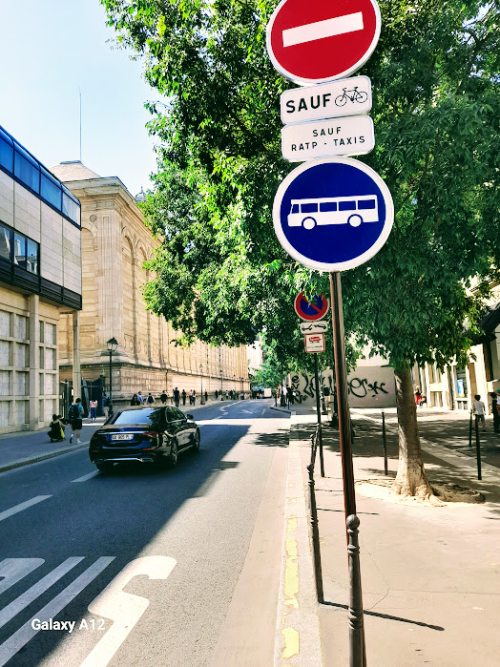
{"type": "Point", "coordinates": [356, 629]}
{"type": "Point", "coordinates": [318, 410]}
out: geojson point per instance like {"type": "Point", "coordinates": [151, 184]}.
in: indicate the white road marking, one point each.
{"type": "Point", "coordinates": [22, 506]}
{"type": "Point", "coordinates": [124, 609]}
{"type": "Point", "coordinates": [13, 570]}
{"type": "Point", "coordinates": [35, 591]}
{"type": "Point", "coordinates": [86, 477]}
{"type": "Point", "coordinates": [321, 29]}
{"type": "Point", "coordinates": [20, 638]}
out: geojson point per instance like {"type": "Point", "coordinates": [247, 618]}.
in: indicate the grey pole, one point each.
{"type": "Point", "coordinates": [318, 410]}
{"type": "Point", "coordinates": [356, 632]}
{"type": "Point", "coordinates": [110, 411]}
{"type": "Point", "coordinates": [385, 443]}
{"type": "Point", "coordinates": [314, 522]}
{"type": "Point", "coordinates": [357, 642]}
{"type": "Point", "coordinates": [478, 450]}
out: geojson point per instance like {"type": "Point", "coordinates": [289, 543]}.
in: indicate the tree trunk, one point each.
{"type": "Point", "coordinates": [411, 479]}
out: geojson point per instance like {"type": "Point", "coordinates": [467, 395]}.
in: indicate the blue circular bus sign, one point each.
{"type": "Point", "coordinates": [333, 214]}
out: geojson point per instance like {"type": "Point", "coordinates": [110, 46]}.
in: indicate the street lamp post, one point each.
{"type": "Point", "coordinates": [112, 347]}
{"type": "Point", "coordinates": [221, 383]}
{"type": "Point", "coordinates": [202, 399]}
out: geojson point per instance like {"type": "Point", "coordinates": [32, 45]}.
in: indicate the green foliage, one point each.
{"type": "Point", "coordinates": [222, 276]}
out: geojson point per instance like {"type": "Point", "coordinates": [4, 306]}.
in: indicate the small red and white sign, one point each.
{"type": "Point", "coordinates": [315, 342]}
{"type": "Point", "coordinates": [321, 40]}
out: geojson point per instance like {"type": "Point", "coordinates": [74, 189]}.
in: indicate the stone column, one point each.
{"type": "Point", "coordinates": [34, 380]}
{"type": "Point", "coordinates": [77, 374]}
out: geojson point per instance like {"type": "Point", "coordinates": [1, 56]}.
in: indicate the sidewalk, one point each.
{"type": "Point", "coordinates": [25, 447]}
{"type": "Point", "coordinates": [430, 575]}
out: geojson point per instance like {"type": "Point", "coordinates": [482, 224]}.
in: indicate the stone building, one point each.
{"type": "Point", "coordinates": [115, 245]}
{"type": "Point", "coordinates": [40, 278]}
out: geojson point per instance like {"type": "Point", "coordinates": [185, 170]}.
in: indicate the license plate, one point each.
{"type": "Point", "coordinates": [124, 436]}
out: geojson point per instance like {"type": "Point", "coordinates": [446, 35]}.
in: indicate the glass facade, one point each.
{"type": "Point", "coordinates": [17, 249]}
{"type": "Point", "coordinates": [28, 171]}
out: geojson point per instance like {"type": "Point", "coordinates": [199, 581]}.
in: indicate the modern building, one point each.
{"type": "Point", "coordinates": [115, 245]}
{"type": "Point", "coordinates": [40, 278]}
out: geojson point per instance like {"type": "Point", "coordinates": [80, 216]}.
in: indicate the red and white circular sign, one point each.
{"type": "Point", "coordinates": [313, 41]}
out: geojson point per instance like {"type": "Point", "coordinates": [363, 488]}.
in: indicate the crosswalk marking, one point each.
{"type": "Point", "coordinates": [35, 591]}
{"type": "Point", "coordinates": [22, 506]}
{"type": "Point", "coordinates": [13, 570]}
{"type": "Point", "coordinates": [86, 477]}
{"type": "Point", "coordinates": [26, 632]}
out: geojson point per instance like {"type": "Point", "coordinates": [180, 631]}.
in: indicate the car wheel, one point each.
{"type": "Point", "coordinates": [173, 457]}
{"type": "Point", "coordinates": [196, 443]}
{"type": "Point", "coordinates": [104, 467]}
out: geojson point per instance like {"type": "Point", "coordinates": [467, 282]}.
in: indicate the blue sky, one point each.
{"type": "Point", "coordinates": [48, 50]}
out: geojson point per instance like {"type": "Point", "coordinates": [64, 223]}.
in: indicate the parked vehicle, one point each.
{"type": "Point", "coordinates": [144, 435]}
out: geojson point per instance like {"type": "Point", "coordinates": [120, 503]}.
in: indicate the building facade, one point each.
{"type": "Point", "coordinates": [115, 245]}
{"type": "Point", "coordinates": [455, 387]}
{"type": "Point", "coordinates": [40, 279]}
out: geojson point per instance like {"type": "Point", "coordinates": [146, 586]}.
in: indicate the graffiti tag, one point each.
{"type": "Point", "coordinates": [360, 388]}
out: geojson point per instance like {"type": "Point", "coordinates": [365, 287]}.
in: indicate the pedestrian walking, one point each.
{"type": "Point", "coordinates": [135, 400]}
{"type": "Point", "coordinates": [164, 398]}
{"type": "Point", "coordinates": [56, 431]}
{"type": "Point", "coordinates": [418, 396]}
{"type": "Point", "coordinates": [93, 410]}
{"type": "Point", "coordinates": [177, 397]}
{"type": "Point", "coordinates": [139, 397]}
{"type": "Point", "coordinates": [75, 417]}
{"type": "Point", "coordinates": [479, 410]}
{"type": "Point", "coordinates": [227, 395]}
{"type": "Point", "coordinates": [216, 394]}
{"type": "Point", "coordinates": [194, 396]}
{"type": "Point", "coordinates": [151, 399]}
{"type": "Point", "coordinates": [105, 405]}
{"type": "Point", "coordinates": [191, 397]}
{"type": "Point", "coordinates": [206, 395]}
{"type": "Point", "coordinates": [184, 397]}
{"type": "Point", "coordinates": [495, 411]}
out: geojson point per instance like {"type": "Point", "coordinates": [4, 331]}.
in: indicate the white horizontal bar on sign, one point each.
{"type": "Point", "coordinates": [324, 138]}
{"type": "Point", "coordinates": [322, 29]}
{"type": "Point", "coordinates": [343, 97]}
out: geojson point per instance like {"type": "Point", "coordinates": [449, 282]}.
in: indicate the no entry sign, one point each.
{"type": "Point", "coordinates": [321, 40]}
{"type": "Point", "coordinates": [312, 310]}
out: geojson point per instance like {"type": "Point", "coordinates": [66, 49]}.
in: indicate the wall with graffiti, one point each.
{"type": "Point", "coordinates": [368, 387]}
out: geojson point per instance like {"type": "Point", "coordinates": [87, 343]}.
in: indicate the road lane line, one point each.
{"type": "Point", "coordinates": [23, 506]}
{"type": "Point", "coordinates": [13, 570]}
{"type": "Point", "coordinates": [20, 638]}
{"type": "Point", "coordinates": [322, 29]}
{"type": "Point", "coordinates": [86, 477]}
{"type": "Point", "coordinates": [35, 591]}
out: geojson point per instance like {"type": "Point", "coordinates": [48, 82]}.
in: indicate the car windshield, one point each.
{"type": "Point", "coordinates": [143, 416]}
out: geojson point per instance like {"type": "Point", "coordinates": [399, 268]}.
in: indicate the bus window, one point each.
{"type": "Point", "coordinates": [366, 204]}
{"type": "Point", "coordinates": [309, 208]}
{"type": "Point", "coordinates": [295, 208]}
{"type": "Point", "coordinates": [327, 206]}
{"type": "Point", "coordinates": [347, 206]}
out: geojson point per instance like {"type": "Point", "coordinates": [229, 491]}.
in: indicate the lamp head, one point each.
{"type": "Point", "coordinates": [112, 345]}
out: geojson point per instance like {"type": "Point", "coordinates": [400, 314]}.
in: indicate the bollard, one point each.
{"type": "Point", "coordinates": [314, 522]}
{"type": "Point", "coordinates": [385, 444]}
{"type": "Point", "coordinates": [478, 450]}
{"type": "Point", "coordinates": [356, 631]}
{"type": "Point", "coordinates": [470, 430]}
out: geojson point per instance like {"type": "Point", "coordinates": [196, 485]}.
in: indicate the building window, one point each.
{"type": "Point", "coordinates": [25, 253]}
{"type": "Point", "coordinates": [51, 190]}
{"type": "Point", "coordinates": [41, 357]}
{"type": "Point", "coordinates": [32, 257]}
{"type": "Point", "coordinates": [20, 250]}
{"type": "Point", "coordinates": [41, 331]}
{"type": "Point", "coordinates": [26, 169]}
{"type": "Point", "coordinates": [5, 243]}
{"type": "Point", "coordinates": [6, 152]}
{"type": "Point", "coordinates": [71, 208]}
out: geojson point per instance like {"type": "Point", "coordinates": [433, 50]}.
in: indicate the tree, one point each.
{"type": "Point", "coordinates": [222, 275]}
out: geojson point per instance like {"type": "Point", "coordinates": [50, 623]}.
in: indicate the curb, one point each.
{"type": "Point", "coordinates": [24, 462]}
{"type": "Point", "coordinates": [275, 407]}
{"type": "Point", "coordinates": [297, 640]}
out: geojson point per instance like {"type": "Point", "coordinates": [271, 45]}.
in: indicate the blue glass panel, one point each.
{"type": "Point", "coordinates": [26, 170]}
{"type": "Point", "coordinates": [71, 209]}
{"type": "Point", "coordinates": [51, 191]}
{"type": "Point", "coordinates": [6, 155]}
{"type": "Point", "coordinates": [32, 257]}
{"type": "Point", "coordinates": [20, 250]}
{"type": "Point", "coordinates": [5, 243]}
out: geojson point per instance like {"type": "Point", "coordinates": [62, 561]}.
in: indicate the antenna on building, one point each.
{"type": "Point", "coordinates": [80, 92]}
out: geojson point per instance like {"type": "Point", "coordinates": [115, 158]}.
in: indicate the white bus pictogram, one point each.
{"type": "Point", "coordinates": [308, 213]}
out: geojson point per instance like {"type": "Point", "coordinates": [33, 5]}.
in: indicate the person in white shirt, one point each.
{"type": "Point", "coordinates": [479, 410]}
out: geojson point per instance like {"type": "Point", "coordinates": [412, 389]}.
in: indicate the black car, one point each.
{"type": "Point", "coordinates": [144, 435]}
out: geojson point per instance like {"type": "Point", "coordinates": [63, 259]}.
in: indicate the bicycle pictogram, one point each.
{"type": "Point", "coordinates": [353, 95]}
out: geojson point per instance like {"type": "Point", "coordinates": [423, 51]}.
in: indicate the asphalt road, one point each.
{"type": "Point", "coordinates": [153, 567]}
